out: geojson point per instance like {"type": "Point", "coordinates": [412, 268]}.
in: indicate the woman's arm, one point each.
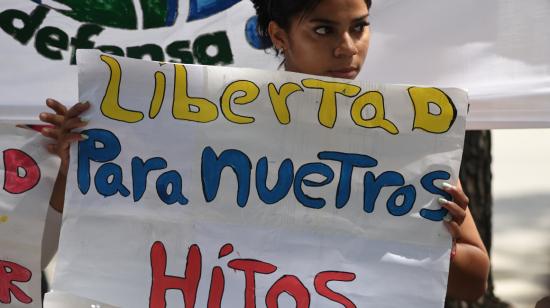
{"type": "Point", "coordinates": [57, 199]}
{"type": "Point", "coordinates": [63, 121]}
{"type": "Point", "coordinates": [469, 269]}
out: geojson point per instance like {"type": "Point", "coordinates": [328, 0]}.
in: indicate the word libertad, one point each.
{"type": "Point", "coordinates": [242, 92]}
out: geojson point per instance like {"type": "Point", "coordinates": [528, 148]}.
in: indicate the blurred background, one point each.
{"type": "Point", "coordinates": [521, 215]}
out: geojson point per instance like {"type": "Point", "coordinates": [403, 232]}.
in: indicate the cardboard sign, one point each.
{"type": "Point", "coordinates": [222, 187]}
{"type": "Point", "coordinates": [26, 176]}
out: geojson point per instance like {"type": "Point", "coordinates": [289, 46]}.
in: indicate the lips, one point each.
{"type": "Point", "coordinates": [347, 72]}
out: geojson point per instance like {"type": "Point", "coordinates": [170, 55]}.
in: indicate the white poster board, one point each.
{"type": "Point", "coordinates": [256, 187]}
{"type": "Point", "coordinates": [26, 176]}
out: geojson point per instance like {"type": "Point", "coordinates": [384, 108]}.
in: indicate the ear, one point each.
{"type": "Point", "coordinates": [278, 36]}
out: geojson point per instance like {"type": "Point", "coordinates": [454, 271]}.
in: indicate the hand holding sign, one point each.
{"type": "Point", "coordinates": [63, 121]}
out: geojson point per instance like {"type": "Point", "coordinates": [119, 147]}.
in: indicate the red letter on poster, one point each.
{"type": "Point", "coordinates": [13, 161]}
{"type": "Point", "coordinates": [321, 287]}
{"type": "Point", "coordinates": [250, 268]}
{"type": "Point", "coordinates": [291, 285]}
{"type": "Point", "coordinates": [188, 285]}
{"type": "Point", "coordinates": [10, 273]}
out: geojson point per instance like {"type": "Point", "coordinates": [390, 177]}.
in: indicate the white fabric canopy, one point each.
{"type": "Point", "coordinates": [499, 50]}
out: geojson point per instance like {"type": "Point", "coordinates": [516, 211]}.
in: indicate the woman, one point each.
{"type": "Point", "coordinates": [327, 38]}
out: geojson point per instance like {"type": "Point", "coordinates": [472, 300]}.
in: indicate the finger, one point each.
{"type": "Point", "coordinates": [52, 148]}
{"type": "Point", "coordinates": [54, 119]}
{"type": "Point", "coordinates": [454, 229]}
{"type": "Point", "coordinates": [67, 139]}
{"type": "Point", "coordinates": [458, 213]}
{"type": "Point", "coordinates": [73, 123]}
{"type": "Point", "coordinates": [77, 109]}
{"type": "Point", "coordinates": [56, 106]}
{"type": "Point", "coordinates": [50, 132]}
{"type": "Point", "coordinates": [458, 195]}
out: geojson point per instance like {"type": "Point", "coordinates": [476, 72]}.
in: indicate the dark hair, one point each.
{"type": "Point", "coordinates": [281, 12]}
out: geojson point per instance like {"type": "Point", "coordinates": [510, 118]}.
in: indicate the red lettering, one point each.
{"type": "Point", "coordinates": [161, 282]}
{"type": "Point", "coordinates": [217, 285]}
{"type": "Point", "coordinates": [189, 284]}
{"type": "Point", "coordinates": [321, 287]}
{"type": "Point", "coordinates": [13, 183]}
{"type": "Point", "coordinates": [251, 267]}
{"type": "Point", "coordinates": [225, 251]}
{"type": "Point", "coordinates": [9, 273]}
{"type": "Point", "coordinates": [292, 286]}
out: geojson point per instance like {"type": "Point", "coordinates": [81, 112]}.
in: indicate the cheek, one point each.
{"type": "Point", "coordinates": [310, 56]}
{"type": "Point", "coordinates": [366, 42]}
{"type": "Point", "coordinates": [363, 48]}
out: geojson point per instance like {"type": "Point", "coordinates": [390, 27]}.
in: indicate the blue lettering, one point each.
{"type": "Point", "coordinates": [212, 167]}
{"type": "Point", "coordinates": [302, 173]}
{"type": "Point", "coordinates": [427, 182]}
{"type": "Point", "coordinates": [140, 171]}
{"type": "Point", "coordinates": [281, 188]}
{"type": "Point", "coordinates": [373, 185]}
{"type": "Point", "coordinates": [171, 179]}
{"type": "Point", "coordinates": [108, 188]}
{"type": "Point", "coordinates": [349, 161]}
{"type": "Point", "coordinates": [87, 151]}
{"type": "Point", "coordinates": [409, 196]}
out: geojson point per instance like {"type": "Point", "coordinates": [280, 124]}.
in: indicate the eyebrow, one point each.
{"type": "Point", "coordinates": [332, 22]}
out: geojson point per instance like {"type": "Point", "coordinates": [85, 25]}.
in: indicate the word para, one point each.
{"type": "Point", "coordinates": [103, 146]}
{"type": "Point", "coordinates": [188, 285]}
{"type": "Point", "coordinates": [242, 92]}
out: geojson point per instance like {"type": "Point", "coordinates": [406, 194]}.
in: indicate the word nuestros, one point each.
{"type": "Point", "coordinates": [103, 147]}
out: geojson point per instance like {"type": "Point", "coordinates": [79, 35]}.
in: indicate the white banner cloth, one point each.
{"type": "Point", "coordinates": [26, 175]}
{"type": "Point", "coordinates": [496, 49]}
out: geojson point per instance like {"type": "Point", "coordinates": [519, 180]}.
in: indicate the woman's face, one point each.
{"type": "Point", "coordinates": [331, 40]}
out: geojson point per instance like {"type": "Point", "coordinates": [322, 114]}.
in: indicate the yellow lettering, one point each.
{"type": "Point", "coordinates": [327, 108]}
{"type": "Point", "coordinates": [251, 92]}
{"type": "Point", "coordinates": [279, 100]}
{"type": "Point", "coordinates": [110, 106]}
{"type": "Point", "coordinates": [376, 100]}
{"type": "Point", "coordinates": [158, 96]}
{"type": "Point", "coordinates": [206, 111]}
{"type": "Point", "coordinates": [424, 119]}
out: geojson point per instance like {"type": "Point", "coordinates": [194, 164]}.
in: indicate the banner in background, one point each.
{"type": "Point", "coordinates": [27, 174]}
{"type": "Point", "coordinates": [498, 50]}
{"type": "Point", "coordinates": [222, 187]}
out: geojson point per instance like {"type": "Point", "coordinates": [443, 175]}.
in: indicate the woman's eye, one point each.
{"type": "Point", "coordinates": [322, 30]}
{"type": "Point", "coordinates": [361, 27]}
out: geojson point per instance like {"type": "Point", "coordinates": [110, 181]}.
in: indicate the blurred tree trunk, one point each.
{"type": "Point", "coordinates": [476, 177]}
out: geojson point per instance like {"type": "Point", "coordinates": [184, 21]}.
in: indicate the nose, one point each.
{"type": "Point", "coordinates": [346, 46]}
